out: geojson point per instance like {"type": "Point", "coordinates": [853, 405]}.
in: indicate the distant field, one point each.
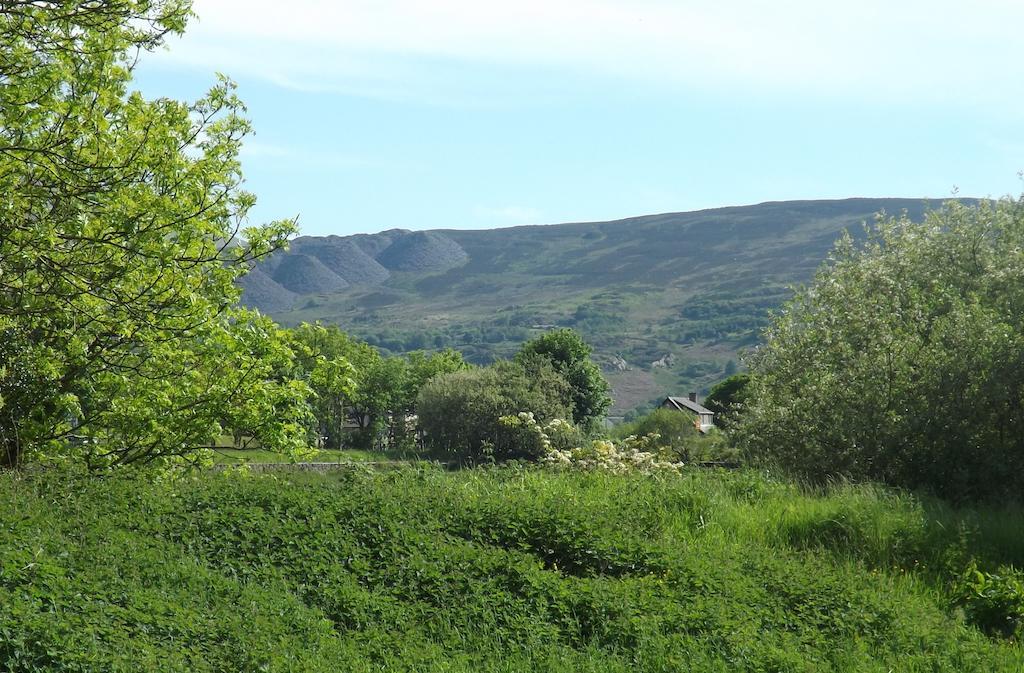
{"type": "Point", "coordinates": [488, 570]}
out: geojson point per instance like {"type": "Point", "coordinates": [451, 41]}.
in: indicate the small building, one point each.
{"type": "Point", "coordinates": [703, 419]}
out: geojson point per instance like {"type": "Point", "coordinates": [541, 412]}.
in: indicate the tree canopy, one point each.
{"type": "Point", "coordinates": [352, 381]}
{"type": "Point", "coordinates": [569, 354]}
{"type": "Point", "coordinates": [460, 412]}
{"type": "Point", "coordinates": [676, 431]}
{"type": "Point", "coordinates": [904, 360]}
{"type": "Point", "coordinates": [725, 395]}
{"type": "Point", "coordinates": [123, 228]}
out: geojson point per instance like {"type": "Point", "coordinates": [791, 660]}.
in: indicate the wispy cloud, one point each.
{"type": "Point", "coordinates": [914, 48]}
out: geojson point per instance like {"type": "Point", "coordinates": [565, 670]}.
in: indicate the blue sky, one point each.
{"type": "Point", "coordinates": [422, 114]}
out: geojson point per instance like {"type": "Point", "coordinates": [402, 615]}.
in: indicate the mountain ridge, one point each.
{"type": "Point", "coordinates": [696, 286]}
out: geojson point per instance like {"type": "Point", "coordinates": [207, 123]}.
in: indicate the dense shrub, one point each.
{"type": "Point", "coordinates": [523, 436]}
{"type": "Point", "coordinates": [994, 601]}
{"type": "Point", "coordinates": [904, 360]}
{"type": "Point", "coordinates": [460, 413]}
{"type": "Point", "coordinates": [674, 433]}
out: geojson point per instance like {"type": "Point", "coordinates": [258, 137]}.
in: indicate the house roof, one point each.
{"type": "Point", "coordinates": [685, 403]}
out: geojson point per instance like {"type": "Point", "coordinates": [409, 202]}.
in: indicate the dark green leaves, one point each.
{"type": "Point", "coordinates": [570, 356]}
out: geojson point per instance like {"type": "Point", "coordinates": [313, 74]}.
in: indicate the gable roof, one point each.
{"type": "Point", "coordinates": [685, 403]}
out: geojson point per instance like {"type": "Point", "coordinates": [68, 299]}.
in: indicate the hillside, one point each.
{"type": "Point", "coordinates": [668, 300]}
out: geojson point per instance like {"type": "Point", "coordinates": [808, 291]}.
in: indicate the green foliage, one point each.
{"type": "Point", "coordinates": [421, 368]}
{"type": "Point", "coordinates": [389, 388]}
{"type": "Point", "coordinates": [566, 350]}
{"type": "Point", "coordinates": [676, 431]}
{"type": "Point", "coordinates": [378, 393]}
{"type": "Point", "coordinates": [484, 570]}
{"type": "Point", "coordinates": [993, 601]}
{"type": "Point", "coordinates": [120, 240]}
{"type": "Point", "coordinates": [725, 396]}
{"type": "Point", "coordinates": [904, 360]}
{"type": "Point", "coordinates": [523, 436]}
{"type": "Point", "coordinates": [329, 360]}
{"type": "Point", "coordinates": [461, 412]}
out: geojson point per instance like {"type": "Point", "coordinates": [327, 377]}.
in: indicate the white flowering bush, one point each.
{"type": "Point", "coordinates": [562, 435]}
{"type": "Point", "coordinates": [632, 454]}
{"type": "Point", "coordinates": [521, 437]}
{"type": "Point", "coordinates": [559, 443]}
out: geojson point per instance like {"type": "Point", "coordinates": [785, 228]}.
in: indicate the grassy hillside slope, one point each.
{"type": "Point", "coordinates": [668, 300]}
{"type": "Point", "coordinates": [500, 570]}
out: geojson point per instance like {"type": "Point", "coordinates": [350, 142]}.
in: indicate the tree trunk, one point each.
{"type": "Point", "coordinates": [10, 450]}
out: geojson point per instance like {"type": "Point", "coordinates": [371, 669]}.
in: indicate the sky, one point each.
{"type": "Point", "coordinates": [426, 114]}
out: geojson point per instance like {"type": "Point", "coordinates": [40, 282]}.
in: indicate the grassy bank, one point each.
{"type": "Point", "coordinates": [500, 570]}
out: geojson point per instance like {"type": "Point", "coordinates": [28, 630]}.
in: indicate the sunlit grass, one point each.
{"type": "Point", "coordinates": [490, 570]}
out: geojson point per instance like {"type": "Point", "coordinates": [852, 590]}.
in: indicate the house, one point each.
{"type": "Point", "coordinates": [703, 419]}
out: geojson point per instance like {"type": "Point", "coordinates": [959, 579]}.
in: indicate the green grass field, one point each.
{"type": "Point", "coordinates": [488, 570]}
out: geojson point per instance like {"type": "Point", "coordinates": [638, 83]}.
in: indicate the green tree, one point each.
{"type": "Point", "coordinates": [377, 393]}
{"type": "Point", "coordinates": [378, 399]}
{"type": "Point", "coordinates": [460, 412]}
{"type": "Point", "coordinates": [904, 359]}
{"type": "Point", "coordinates": [725, 395]}
{"type": "Point", "coordinates": [569, 354]}
{"type": "Point", "coordinates": [121, 235]}
{"type": "Point", "coordinates": [421, 368]}
{"type": "Point", "coordinates": [331, 362]}
{"type": "Point", "coordinates": [387, 389]}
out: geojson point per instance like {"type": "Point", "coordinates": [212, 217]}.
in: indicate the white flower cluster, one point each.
{"type": "Point", "coordinates": [532, 431]}
{"type": "Point", "coordinates": [633, 454]}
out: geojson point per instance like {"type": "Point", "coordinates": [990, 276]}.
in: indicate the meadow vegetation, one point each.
{"type": "Point", "coordinates": [498, 570]}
